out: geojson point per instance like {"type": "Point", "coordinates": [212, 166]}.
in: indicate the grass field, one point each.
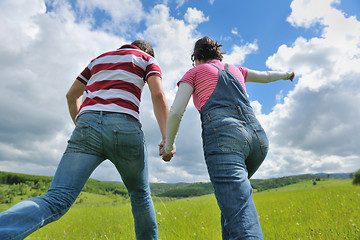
{"type": "Point", "coordinates": [328, 210]}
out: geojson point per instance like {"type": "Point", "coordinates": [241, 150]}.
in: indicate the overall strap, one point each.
{"type": "Point", "coordinates": [229, 73]}
{"type": "Point", "coordinates": [216, 66]}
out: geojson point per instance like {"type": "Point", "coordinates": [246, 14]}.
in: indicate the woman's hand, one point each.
{"type": "Point", "coordinates": [167, 156]}
{"type": "Point", "coordinates": [291, 75]}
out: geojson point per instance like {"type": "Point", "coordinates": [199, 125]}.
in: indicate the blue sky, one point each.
{"type": "Point", "coordinates": [310, 123]}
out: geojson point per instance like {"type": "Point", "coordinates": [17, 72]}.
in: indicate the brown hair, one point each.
{"type": "Point", "coordinates": [143, 45]}
{"type": "Point", "coordinates": [205, 49]}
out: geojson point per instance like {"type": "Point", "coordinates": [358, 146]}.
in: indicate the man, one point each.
{"type": "Point", "coordinates": [107, 127]}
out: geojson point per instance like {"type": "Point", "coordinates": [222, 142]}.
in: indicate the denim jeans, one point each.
{"type": "Point", "coordinates": [97, 136]}
{"type": "Point", "coordinates": [231, 147]}
{"type": "Point", "coordinates": [234, 145]}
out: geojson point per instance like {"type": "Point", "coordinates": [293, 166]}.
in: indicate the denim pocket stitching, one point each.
{"type": "Point", "coordinates": [135, 146]}
{"type": "Point", "coordinates": [222, 145]}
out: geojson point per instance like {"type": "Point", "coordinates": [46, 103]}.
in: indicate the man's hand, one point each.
{"type": "Point", "coordinates": [167, 156]}
{"type": "Point", "coordinates": [162, 147]}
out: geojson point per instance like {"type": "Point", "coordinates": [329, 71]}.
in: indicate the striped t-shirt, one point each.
{"type": "Point", "coordinates": [115, 80]}
{"type": "Point", "coordinates": [203, 79]}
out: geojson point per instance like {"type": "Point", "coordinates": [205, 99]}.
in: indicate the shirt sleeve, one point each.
{"type": "Point", "coordinates": [153, 68]}
{"type": "Point", "coordinates": [244, 72]}
{"type": "Point", "coordinates": [175, 115]}
{"type": "Point", "coordinates": [85, 75]}
{"type": "Point", "coordinates": [189, 78]}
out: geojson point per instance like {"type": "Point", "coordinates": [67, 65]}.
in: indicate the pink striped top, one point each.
{"type": "Point", "coordinates": [203, 79]}
{"type": "Point", "coordinates": [115, 80]}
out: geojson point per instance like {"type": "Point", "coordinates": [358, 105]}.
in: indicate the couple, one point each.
{"type": "Point", "coordinates": [108, 127]}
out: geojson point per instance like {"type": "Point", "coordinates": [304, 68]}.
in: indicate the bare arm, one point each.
{"type": "Point", "coordinates": [268, 76]}
{"type": "Point", "coordinates": [160, 106]}
{"type": "Point", "coordinates": [73, 97]}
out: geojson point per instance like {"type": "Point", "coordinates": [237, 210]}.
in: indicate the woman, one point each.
{"type": "Point", "coordinates": [234, 142]}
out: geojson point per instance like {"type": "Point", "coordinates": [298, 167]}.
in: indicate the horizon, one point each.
{"type": "Point", "coordinates": [114, 181]}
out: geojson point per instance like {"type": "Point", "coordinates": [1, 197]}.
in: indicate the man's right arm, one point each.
{"type": "Point", "coordinates": [160, 105]}
{"type": "Point", "coordinates": [73, 97]}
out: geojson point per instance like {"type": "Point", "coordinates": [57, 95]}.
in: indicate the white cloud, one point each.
{"type": "Point", "coordinates": [180, 3]}
{"type": "Point", "coordinates": [116, 16]}
{"type": "Point", "coordinates": [42, 52]}
{"type": "Point", "coordinates": [38, 67]}
{"type": "Point", "coordinates": [321, 114]}
{"type": "Point", "coordinates": [194, 16]}
{"type": "Point", "coordinates": [234, 31]}
{"type": "Point", "coordinates": [173, 41]}
{"type": "Point", "coordinates": [238, 53]}
{"type": "Point", "coordinates": [307, 13]}
{"type": "Point", "coordinates": [18, 27]}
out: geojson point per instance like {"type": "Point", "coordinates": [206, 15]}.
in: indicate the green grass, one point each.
{"type": "Point", "coordinates": [328, 210]}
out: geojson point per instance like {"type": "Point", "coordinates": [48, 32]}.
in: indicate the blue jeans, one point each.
{"type": "Point", "coordinates": [97, 136]}
{"type": "Point", "coordinates": [234, 148]}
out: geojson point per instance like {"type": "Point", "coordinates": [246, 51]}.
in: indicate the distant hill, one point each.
{"type": "Point", "coordinates": [188, 190]}
{"type": "Point", "coordinates": [334, 175]}
{"type": "Point", "coordinates": [172, 190]}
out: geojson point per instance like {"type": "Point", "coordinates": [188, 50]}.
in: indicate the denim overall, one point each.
{"type": "Point", "coordinates": [97, 136]}
{"type": "Point", "coordinates": [234, 145]}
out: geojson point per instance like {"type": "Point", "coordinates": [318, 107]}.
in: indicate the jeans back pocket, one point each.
{"type": "Point", "coordinates": [129, 145]}
{"type": "Point", "coordinates": [232, 138]}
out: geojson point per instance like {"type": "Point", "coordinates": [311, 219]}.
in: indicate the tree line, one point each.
{"type": "Point", "coordinates": [31, 185]}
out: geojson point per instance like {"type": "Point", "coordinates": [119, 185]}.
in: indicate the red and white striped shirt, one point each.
{"type": "Point", "coordinates": [203, 79]}
{"type": "Point", "coordinates": [115, 80]}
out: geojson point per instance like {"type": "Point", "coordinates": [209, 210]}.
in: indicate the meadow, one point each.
{"type": "Point", "coordinates": [328, 210]}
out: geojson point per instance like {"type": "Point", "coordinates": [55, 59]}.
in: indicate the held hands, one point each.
{"type": "Point", "coordinates": [166, 156]}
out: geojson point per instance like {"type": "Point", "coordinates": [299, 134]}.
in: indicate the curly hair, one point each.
{"type": "Point", "coordinates": [143, 45]}
{"type": "Point", "coordinates": [205, 49]}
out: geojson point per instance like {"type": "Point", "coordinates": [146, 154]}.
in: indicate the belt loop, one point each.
{"type": "Point", "coordinates": [101, 117]}
{"type": "Point", "coordinates": [208, 118]}
{"type": "Point", "coordinates": [239, 110]}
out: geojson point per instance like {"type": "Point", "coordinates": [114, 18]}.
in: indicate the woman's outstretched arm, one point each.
{"type": "Point", "coordinates": [268, 76]}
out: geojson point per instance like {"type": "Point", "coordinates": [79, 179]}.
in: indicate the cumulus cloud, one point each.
{"type": "Point", "coordinates": [116, 16]}
{"type": "Point", "coordinates": [194, 16]}
{"type": "Point", "coordinates": [173, 41]}
{"type": "Point", "coordinates": [238, 53]}
{"type": "Point", "coordinates": [45, 46]}
{"type": "Point", "coordinates": [320, 114]}
{"type": "Point", "coordinates": [42, 55]}
{"type": "Point", "coordinates": [180, 3]}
